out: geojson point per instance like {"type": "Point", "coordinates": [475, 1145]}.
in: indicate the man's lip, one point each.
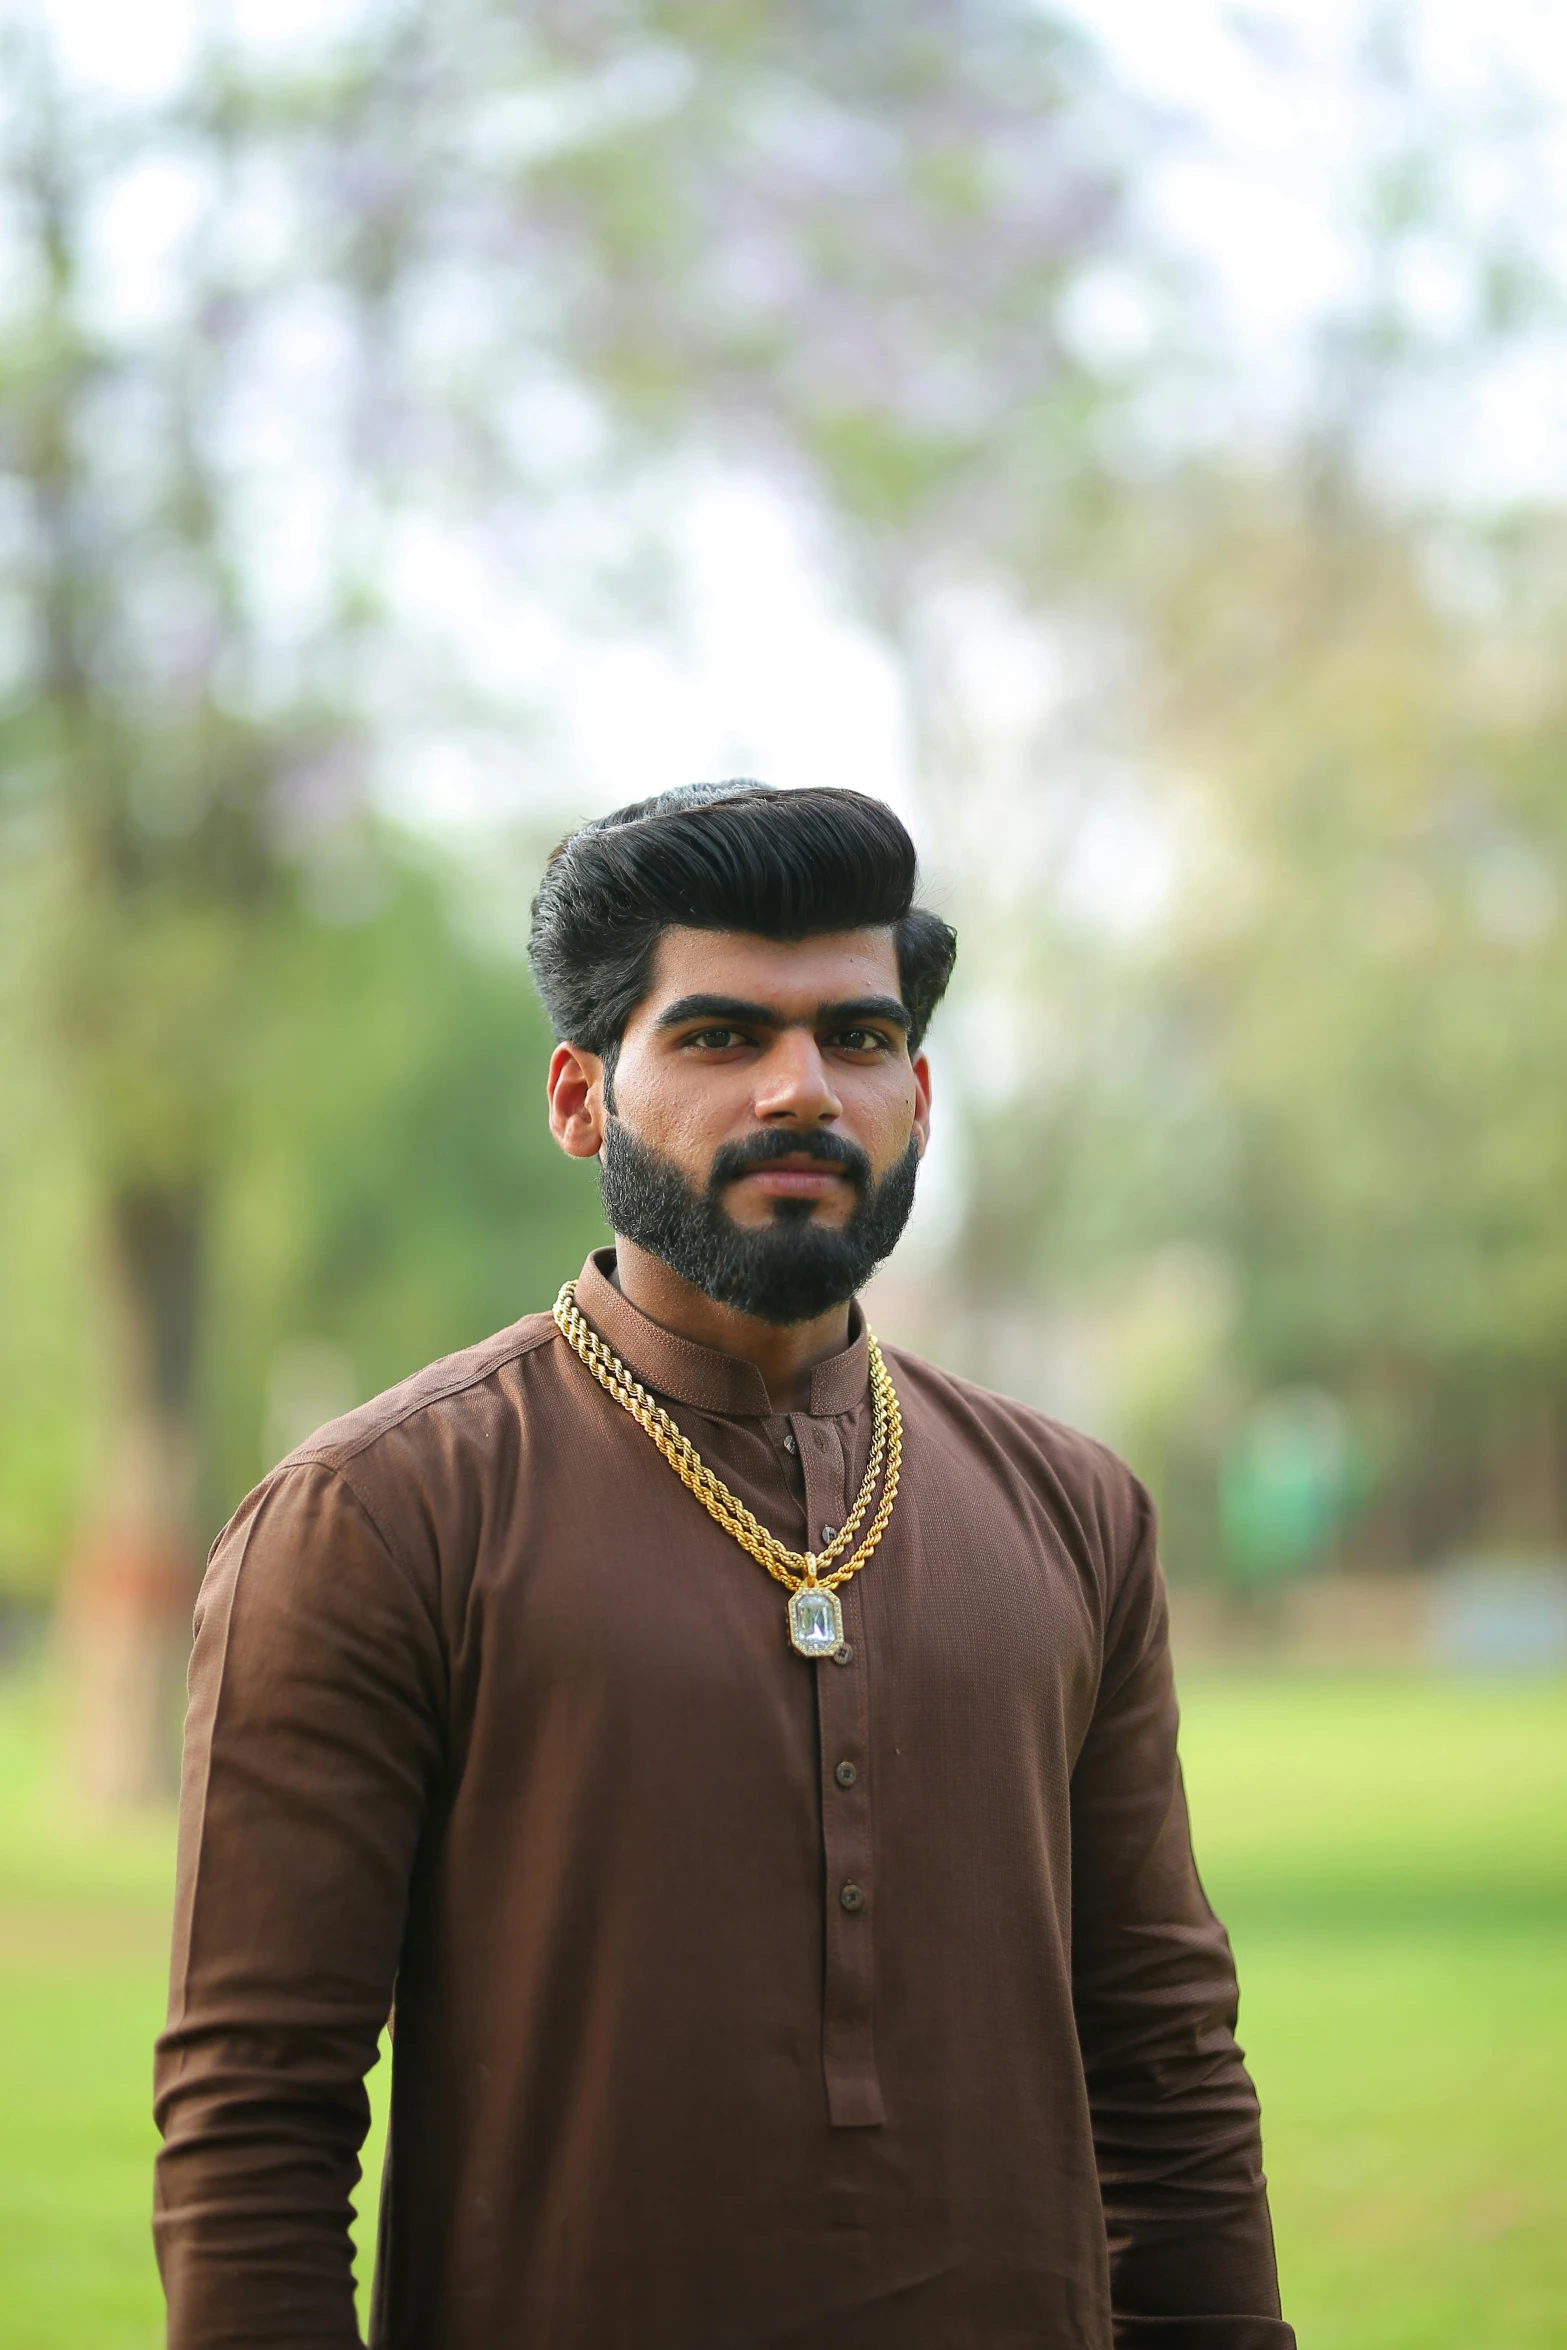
{"type": "Point", "coordinates": [796, 1177]}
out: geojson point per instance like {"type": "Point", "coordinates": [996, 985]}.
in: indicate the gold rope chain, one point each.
{"type": "Point", "coordinates": [794, 1569]}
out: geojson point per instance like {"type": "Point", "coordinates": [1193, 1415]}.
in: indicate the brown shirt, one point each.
{"type": "Point", "coordinates": [742, 2002]}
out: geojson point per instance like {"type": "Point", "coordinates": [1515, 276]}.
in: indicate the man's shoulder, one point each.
{"type": "Point", "coordinates": [416, 1461]}
{"type": "Point", "coordinates": [456, 1387]}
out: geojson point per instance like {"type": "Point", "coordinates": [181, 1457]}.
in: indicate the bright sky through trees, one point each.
{"type": "Point", "coordinates": [1269, 127]}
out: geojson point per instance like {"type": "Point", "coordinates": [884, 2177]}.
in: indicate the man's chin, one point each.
{"type": "Point", "coordinates": [812, 1215]}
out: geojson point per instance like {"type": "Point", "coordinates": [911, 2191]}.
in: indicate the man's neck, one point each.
{"type": "Point", "coordinates": [785, 1357]}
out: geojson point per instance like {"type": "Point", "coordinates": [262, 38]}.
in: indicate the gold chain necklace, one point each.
{"type": "Point", "coordinates": [815, 1610]}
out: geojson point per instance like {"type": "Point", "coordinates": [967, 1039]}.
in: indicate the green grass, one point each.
{"type": "Point", "coordinates": [1390, 1856]}
{"type": "Point", "coordinates": [1391, 1859]}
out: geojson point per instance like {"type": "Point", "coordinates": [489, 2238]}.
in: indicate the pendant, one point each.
{"type": "Point", "coordinates": [815, 1620]}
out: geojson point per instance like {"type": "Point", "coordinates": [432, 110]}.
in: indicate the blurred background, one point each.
{"type": "Point", "coordinates": [1134, 442]}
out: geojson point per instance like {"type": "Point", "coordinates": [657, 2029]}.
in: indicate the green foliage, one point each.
{"type": "Point", "coordinates": [382, 1190]}
{"type": "Point", "coordinates": [393, 1192]}
{"type": "Point", "coordinates": [50, 1390]}
{"type": "Point", "coordinates": [1386, 975]}
{"type": "Point", "coordinates": [1379, 985]}
{"type": "Point", "coordinates": [1337, 1066]}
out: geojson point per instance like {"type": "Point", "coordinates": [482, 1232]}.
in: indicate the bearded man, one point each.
{"type": "Point", "coordinates": [750, 1756]}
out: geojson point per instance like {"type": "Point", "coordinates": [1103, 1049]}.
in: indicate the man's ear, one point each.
{"type": "Point", "coordinates": [575, 1087]}
{"type": "Point", "coordinates": [921, 1101]}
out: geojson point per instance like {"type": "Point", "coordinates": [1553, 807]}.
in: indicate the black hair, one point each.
{"type": "Point", "coordinates": [723, 856]}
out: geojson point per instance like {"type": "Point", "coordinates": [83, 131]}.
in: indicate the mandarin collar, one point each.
{"type": "Point", "coordinates": [700, 1375]}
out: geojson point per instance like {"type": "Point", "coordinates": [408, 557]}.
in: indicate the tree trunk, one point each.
{"type": "Point", "coordinates": [126, 1603]}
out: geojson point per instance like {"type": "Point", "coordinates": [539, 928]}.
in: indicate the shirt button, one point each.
{"type": "Point", "coordinates": [829, 1533]}
{"type": "Point", "coordinates": [852, 1898]}
{"type": "Point", "coordinates": [789, 1443]}
{"type": "Point", "coordinates": [846, 1774]}
{"type": "Point", "coordinates": [843, 1655]}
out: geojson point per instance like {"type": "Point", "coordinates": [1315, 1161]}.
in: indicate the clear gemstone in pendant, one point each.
{"type": "Point", "coordinates": [815, 1620]}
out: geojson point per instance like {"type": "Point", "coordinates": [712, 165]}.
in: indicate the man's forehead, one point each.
{"type": "Point", "coordinates": [793, 974]}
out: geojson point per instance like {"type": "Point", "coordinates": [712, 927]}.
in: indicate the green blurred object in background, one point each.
{"type": "Point", "coordinates": [1286, 1484]}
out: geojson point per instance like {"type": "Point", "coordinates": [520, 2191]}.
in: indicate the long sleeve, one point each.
{"type": "Point", "coordinates": [1176, 2128]}
{"type": "Point", "coordinates": [312, 1740]}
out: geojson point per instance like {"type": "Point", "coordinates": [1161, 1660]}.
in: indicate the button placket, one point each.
{"type": "Point", "coordinates": [854, 2098]}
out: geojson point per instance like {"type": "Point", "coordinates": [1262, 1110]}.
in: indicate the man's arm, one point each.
{"type": "Point", "coordinates": [310, 1745]}
{"type": "Point", "coordinates": [1175, 2117]}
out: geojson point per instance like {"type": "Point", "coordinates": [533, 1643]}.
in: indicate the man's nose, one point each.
{"type": "Point", "coordinates": [794, 1085]}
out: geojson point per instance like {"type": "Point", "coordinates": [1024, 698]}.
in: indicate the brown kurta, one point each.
{"type": "Point", "coordinates": [743, 2003]}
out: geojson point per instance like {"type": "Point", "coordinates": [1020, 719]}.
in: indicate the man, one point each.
{"type": "Point", "coordinates": [751, 1760]}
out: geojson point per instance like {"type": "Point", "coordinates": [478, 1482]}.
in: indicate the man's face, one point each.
{"type": "Point", "coordinates": [767, 1117]}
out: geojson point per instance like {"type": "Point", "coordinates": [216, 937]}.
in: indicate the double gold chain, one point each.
{"type": "Point", "coordinates": [810, 1577]}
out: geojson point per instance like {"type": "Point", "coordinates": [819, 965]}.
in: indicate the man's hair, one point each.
{"type": "Point", "coordinates": [723, 856]}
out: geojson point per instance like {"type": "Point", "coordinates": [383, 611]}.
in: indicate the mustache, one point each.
{"type": "Point", "coordinates": [732, 1159]}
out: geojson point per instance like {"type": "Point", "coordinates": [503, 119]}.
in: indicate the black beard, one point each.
{"type": "Point", "coordinates": [787, 1271]}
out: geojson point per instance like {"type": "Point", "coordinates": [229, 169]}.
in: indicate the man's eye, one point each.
{"type": "Point", "coordinates": [859, 1040]}
{"type": "Point", "coordinates": [717, 1040]}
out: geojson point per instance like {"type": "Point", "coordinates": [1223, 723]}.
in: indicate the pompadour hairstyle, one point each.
{"type": "Point", "coordinates": [723, 856]}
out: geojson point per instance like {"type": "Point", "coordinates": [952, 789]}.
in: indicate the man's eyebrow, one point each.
{"type": "Point", "coordinates": [865, 1007]}
{"type": "Point", "coordinates": [749, 1015]}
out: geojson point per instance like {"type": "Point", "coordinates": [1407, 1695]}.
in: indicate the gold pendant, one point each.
{"type": "Point", "coordinates": [815, 1620]}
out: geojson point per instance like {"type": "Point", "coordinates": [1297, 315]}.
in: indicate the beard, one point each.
{"type": "Point", "coordinates": [788, 1270]}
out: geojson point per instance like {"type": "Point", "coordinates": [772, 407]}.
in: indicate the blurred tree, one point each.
{"type": "Point", "coordinates": [261, 338]}
{"type": "Point", "coordinates": [1334, 1061]}
{"type": "Point", "coordinates": [1378, 961]}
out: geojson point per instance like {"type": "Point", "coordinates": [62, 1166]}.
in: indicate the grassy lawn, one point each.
{"type": "Point", "coordinates": [1391, 1858]}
